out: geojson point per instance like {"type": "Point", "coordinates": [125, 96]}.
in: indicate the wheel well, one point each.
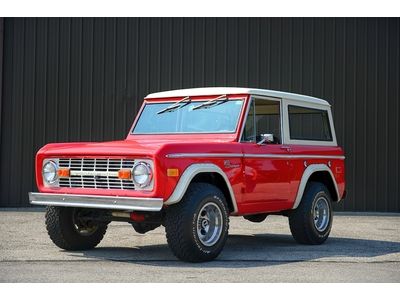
{"type": "Point", "coordinates": [217, 180]}
{"type": "Point", "coordinates": [325, 178]}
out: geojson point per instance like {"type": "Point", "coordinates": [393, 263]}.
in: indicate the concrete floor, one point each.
{"type": "Point", "coordinates": [361, 248]}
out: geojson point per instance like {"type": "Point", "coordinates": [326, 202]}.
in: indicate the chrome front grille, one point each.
{"type": "Point", "coordinates": [97, 173]}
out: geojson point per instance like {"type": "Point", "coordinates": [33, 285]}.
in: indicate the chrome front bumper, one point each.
{"type": "Point", "coordinates": [92, 201]}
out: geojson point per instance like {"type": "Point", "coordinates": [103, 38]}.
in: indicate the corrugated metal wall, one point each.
{"type": "Point", "coordinates": [1, 70]}
{"type": "Point", "coordinates": [84, 79]}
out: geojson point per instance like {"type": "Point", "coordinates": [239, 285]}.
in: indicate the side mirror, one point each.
{"type": "Point", "coordinates": [266, 138]}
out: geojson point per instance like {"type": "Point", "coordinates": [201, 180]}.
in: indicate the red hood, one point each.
{"type": "Point", "coordinates": [145, 146]}
{"type": "Point", "coordinates": [114, 148]}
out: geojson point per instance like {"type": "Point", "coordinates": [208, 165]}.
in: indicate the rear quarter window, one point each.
{"type": "Point", "coordinates": [309, 124]}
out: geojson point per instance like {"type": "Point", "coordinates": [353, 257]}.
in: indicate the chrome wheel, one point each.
{"type": "Point", "coordinates": [209, 224]}
{"type": "Point", "coordinates": [321, 214]}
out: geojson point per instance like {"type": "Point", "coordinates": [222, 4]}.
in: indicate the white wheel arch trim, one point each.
{"type": "Point", "coordinates": [304, 180]}
{"type": "Point", "coordinates": [189, 174]}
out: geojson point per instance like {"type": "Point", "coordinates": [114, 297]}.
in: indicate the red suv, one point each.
{"type": "Point", "coordinates": [192, 159]}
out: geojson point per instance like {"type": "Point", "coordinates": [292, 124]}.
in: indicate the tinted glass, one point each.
{"type": "Point", "coordinates": [309, 124]}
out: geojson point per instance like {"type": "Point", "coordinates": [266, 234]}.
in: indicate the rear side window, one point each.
{"type": "Point", "coordinates": [309, 124]}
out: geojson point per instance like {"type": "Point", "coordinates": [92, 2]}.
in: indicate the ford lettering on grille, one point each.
{"type": "Point", "coordinates": [97, 173]}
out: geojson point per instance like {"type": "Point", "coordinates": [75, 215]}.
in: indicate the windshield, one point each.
{"type": "Point", "coordinates": [190, 117]}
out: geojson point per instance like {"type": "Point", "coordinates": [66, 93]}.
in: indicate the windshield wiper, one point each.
{"type": "Point", "coordinates": [176, 105]}
{"type": "Point", "coordinates": [216, 101]}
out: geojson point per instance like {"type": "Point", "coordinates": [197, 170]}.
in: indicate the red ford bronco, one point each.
{"type": "Point", "coordinates": [192, 159]}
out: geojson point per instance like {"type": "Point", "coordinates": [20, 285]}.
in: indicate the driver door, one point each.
{"type": "Point", "coordinates": [266, 165]}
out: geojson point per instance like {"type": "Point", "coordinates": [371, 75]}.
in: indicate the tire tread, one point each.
{"type": "Point", "coordinates": [177, 217]}
{"type": "Point", "coordinates": [300, 226]}
{"type": "Point", "coordinates": [63, 236]}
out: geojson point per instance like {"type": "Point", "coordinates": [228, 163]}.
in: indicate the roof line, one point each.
{"type": "Point", "coordinates": [236, 90]}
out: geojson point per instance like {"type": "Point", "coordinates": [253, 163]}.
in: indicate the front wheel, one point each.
{"type": "Point", "coordinates": [197, 226]}
{"type": "Point", "coordinates": [72, 228]}
{"type": "Point", "coordinates": [311, 222]}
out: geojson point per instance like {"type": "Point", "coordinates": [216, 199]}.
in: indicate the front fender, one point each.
{"type": "Point", "coordinates": [188, 176]}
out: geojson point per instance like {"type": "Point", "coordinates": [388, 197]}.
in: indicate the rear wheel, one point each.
{"type": "Point", "coordinates": [197, 226]}
{"type": "Point", "coordinates": [311, 222]}
{"type": "Point", "coordinates": [71, 228]}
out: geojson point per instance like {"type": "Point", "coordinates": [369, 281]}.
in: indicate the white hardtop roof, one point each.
{"type": "Point", "coordinates": [235, 90]}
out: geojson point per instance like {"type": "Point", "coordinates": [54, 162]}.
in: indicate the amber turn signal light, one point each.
{"type": "Point", "coordinates": [63, 172]}
{"type": "Point", "coordinates": [172, 172]}
{"type": "Point", "coordinates": [124, 174]}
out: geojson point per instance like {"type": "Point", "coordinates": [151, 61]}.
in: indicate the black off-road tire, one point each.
{"type": "Point", "coordinates": [61, 229]}
{"type": "Point", "coordinates": [301, 220]}
{"type": "Point", "coordinates": [181, 223]}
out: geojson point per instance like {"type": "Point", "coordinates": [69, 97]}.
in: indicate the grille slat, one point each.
{"type": "Point", "coordinates": [96, 165]}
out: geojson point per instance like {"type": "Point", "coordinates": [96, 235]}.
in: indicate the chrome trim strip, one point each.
{"type": "Point", "coordinates": [190, 173]}
{"type": "Point", "coordinates": [94, 201]}
{"type": "Point", "coordinates": [304, 179]}
{"type": "Point", "coordinates": [295, 156]}
{"type": "Point", "coordinates": [288, 156]}
{"type": "Point", "coordinates": [180, 155]}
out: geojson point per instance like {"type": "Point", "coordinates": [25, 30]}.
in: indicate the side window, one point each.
{"type": "Point", "coordinates": [309, 124]}
{"type": "Point", "coordinates": [263, 118]}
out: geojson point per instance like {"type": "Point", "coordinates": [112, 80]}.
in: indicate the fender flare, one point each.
{"type": "Point", "coordinates": [187, 177]}
{"type": "Point", "coordinates": [311, 169]}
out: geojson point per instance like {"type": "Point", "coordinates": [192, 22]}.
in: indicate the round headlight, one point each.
{"type": "Point", "coordinates": [50, 172]}
{"type": "Point", "coordinates": [141, 174]}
